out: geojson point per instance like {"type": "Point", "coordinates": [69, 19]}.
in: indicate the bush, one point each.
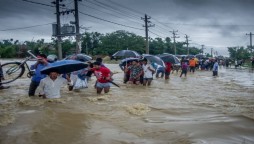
{"type": "Point", "coordinates": [8, 52]}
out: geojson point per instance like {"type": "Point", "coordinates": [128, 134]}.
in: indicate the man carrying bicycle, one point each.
{"type": "Point", "coordinates": [38, 66]}
{"type": "Point", "coordinates": [1, 78]}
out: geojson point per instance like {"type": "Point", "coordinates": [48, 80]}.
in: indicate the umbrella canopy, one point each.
{"type": "Point", "coordinates": [200, 56]}
{"type": "Point", "coordinates": [169, 58]}
{"type": "Point", "coordinates": [126, 53]}
{"type": "Point", "coordinates": [79, 57]}
{"type": "Point", "coordinates": [126, 60]}
{"type": "Point", "coordinates": [189, 56]}
{"type": "Point", "coordinates": [64, 66]}
{"type": "Point", "coordinates": [155, 59]}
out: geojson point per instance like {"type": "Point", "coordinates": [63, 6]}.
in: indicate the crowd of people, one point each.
{"type": "Point", "coordinates": [137, 71]}
{"type": "Point", "coordinates": [142, 71]}
{"type": "Point", "coordinates": [48, 86]}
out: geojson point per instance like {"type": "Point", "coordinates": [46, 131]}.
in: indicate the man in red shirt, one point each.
{"type": "Point", "coordinates": [103, 77]}
{"type": "Point", "coordinates": [167, 69]}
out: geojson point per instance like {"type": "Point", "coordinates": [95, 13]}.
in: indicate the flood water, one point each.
{"type": "Point", "coordinates": [198, 109]}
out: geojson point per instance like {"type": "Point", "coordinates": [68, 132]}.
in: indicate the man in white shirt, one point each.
{"type": "Point", "coordinates": [50, 86]}
{"type": "Point", "coordinates": [148, 73]}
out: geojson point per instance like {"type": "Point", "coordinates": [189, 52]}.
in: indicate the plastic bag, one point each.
{"type": "Point", "coordinates": [79, 84]}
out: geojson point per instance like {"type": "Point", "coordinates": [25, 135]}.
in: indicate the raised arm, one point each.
{"type": "Point", "coordinates": [41, 89]}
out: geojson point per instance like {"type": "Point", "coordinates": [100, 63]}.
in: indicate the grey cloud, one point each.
{"type": "Point", "coordinates": [218, 19]}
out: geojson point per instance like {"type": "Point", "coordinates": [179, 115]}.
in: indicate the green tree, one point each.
{"type": "Point", "coordinates": [68, 47]}
{"type": "Point", "coordinates": [119, 40]}
{"type": "Point", "coordinates": [238, 53]}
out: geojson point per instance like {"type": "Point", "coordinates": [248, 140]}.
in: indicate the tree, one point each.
{"type": "Point", "coordinates": [238, 53]}
{"type": "Point", "coordinates": [68, 47]}
{"type": "Point", "coordinates": [119, 40]}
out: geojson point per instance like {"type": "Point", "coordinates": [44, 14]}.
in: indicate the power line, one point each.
{"type": "Point", "coordinates": [109, 21]}
{"type": "Point", "coordinates": [156, 34]}
{"type": "Point", "coordinates": [160, 31]}
{"type": "Point", "coordinates": [111, 8]}
{"type": "Point", "coordinates": [89, 6]}
{"type": "Point", "coordinates": [116, 8]}
{"type": "Point", "coordinates": [130, 9]}
{"type": "Point", "coordinates": [38, 3]}
{"type": "Point", "coordinates": [26, 27]}
{"type": "Point", "coordinates": [209, 24]}
{"type": "Point", "coordinates": [99, 10]}
{"type": "Point", "coordinates": [138, 12]}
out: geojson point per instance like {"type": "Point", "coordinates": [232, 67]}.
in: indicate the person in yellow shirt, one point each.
{"type": "Point", "coordinates": [197, 63]}
{"type": "Point", "coordinates": [192, 64]}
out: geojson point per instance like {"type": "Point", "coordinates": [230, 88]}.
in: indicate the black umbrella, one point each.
{"type": "Point", "coordinates": [169, 58]}
{"type": "Point", "coordinates": [126, 54]}
{"type": "Point", "coordinates": [64, 66]}
{"type": "Point", "coordinates": [155, 59]}
{"type": "Point", "coordinates": [189, 56]}
{"type": "Point", "coordinates": [127, 60]}
{"type": "Point", "coordinates": [200, 56]}
{"type": "Point", "coordinates": [79, 57]}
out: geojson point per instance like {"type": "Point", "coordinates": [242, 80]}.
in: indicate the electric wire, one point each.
{"type": "Point", "coordinates": [27, 27]}
{"type": "Point", "coordinates": [109, 21]}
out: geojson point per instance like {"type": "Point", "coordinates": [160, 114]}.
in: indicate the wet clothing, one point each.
{"type": "Point", "coordinates": [135, 72]}
{"type": "Point", "coordinates": [147, 72]}
{"type": "Point", "coordinates": [51, 88]}
{"type": "Point", "coordinates": [184, 69]}
{"type": "Point", "coordinates": [101, 74]}
{"type": "Point", "coordinates": [32, 88]}
{"type": "Point", "coordinates": [215, 69]}
{"type": "Point", "coordinates": [102, 85]}
{"type": "Point", "coordinates": [215, 66]}
{"type": "Point", "coordinates": [168, 67]}
{"type": "Point", "coordinates": [192, 64]}
{"type": "Point", "coordinates": [159, 69]}
{"type": "Point", "coordinates": [127, 75]}
{"type": "Point", "coordinates": [37, 77]}
{"type": "Point", "coordinates": [1, 72]}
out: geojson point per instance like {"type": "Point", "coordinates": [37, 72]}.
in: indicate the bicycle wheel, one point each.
{"type": "Point", "coordinates": [12, 71]}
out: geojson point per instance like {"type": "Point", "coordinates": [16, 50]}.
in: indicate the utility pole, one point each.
{"type": "Point", "coordinates": [146, 19]}
{"type": "Point", "coordinates": [86, 29]}
{"type": "Point", "coordinates": [250, 41]}
{"type": "Point", "coordinates": [58, 31]}
{"type": "Point", "coordinates": [211, 52]}
{"type": "Point", "coordinates": [202, 49]}
{"type": "Point", "coordinates": [187, 43]}
{"type": "Point", "coordinates": [86, 49]}
{"type": "Point", "coordinates": [78, 44]}
{"type": "Point", "coordinates": [174, 37]}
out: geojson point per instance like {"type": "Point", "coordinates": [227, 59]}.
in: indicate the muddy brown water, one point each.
{"type": "Point", "coordinates": [197, 109]}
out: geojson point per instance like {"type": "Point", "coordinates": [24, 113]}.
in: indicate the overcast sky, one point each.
{"type": "Point", "coordinates": [214, 23]}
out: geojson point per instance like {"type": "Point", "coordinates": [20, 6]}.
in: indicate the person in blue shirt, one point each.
{"type": "Point", "coordinates": [215, 68]}
{"type": "Point", "coordinates": [159, 69]}
{"type": "Point", "coordinates": [38, 66]}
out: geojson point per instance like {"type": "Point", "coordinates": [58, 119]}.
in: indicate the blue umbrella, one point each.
{"type": "Point", "coordinates": [64, 66]}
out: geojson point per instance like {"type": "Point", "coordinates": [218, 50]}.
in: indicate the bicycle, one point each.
{"type": "Point", "coordinates": [11, 71]}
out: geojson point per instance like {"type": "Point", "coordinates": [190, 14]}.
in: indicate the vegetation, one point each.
{"type": "Point", "coordinates": [240, 53]}
{"type": "Point", "coordinates": [95, 44]}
